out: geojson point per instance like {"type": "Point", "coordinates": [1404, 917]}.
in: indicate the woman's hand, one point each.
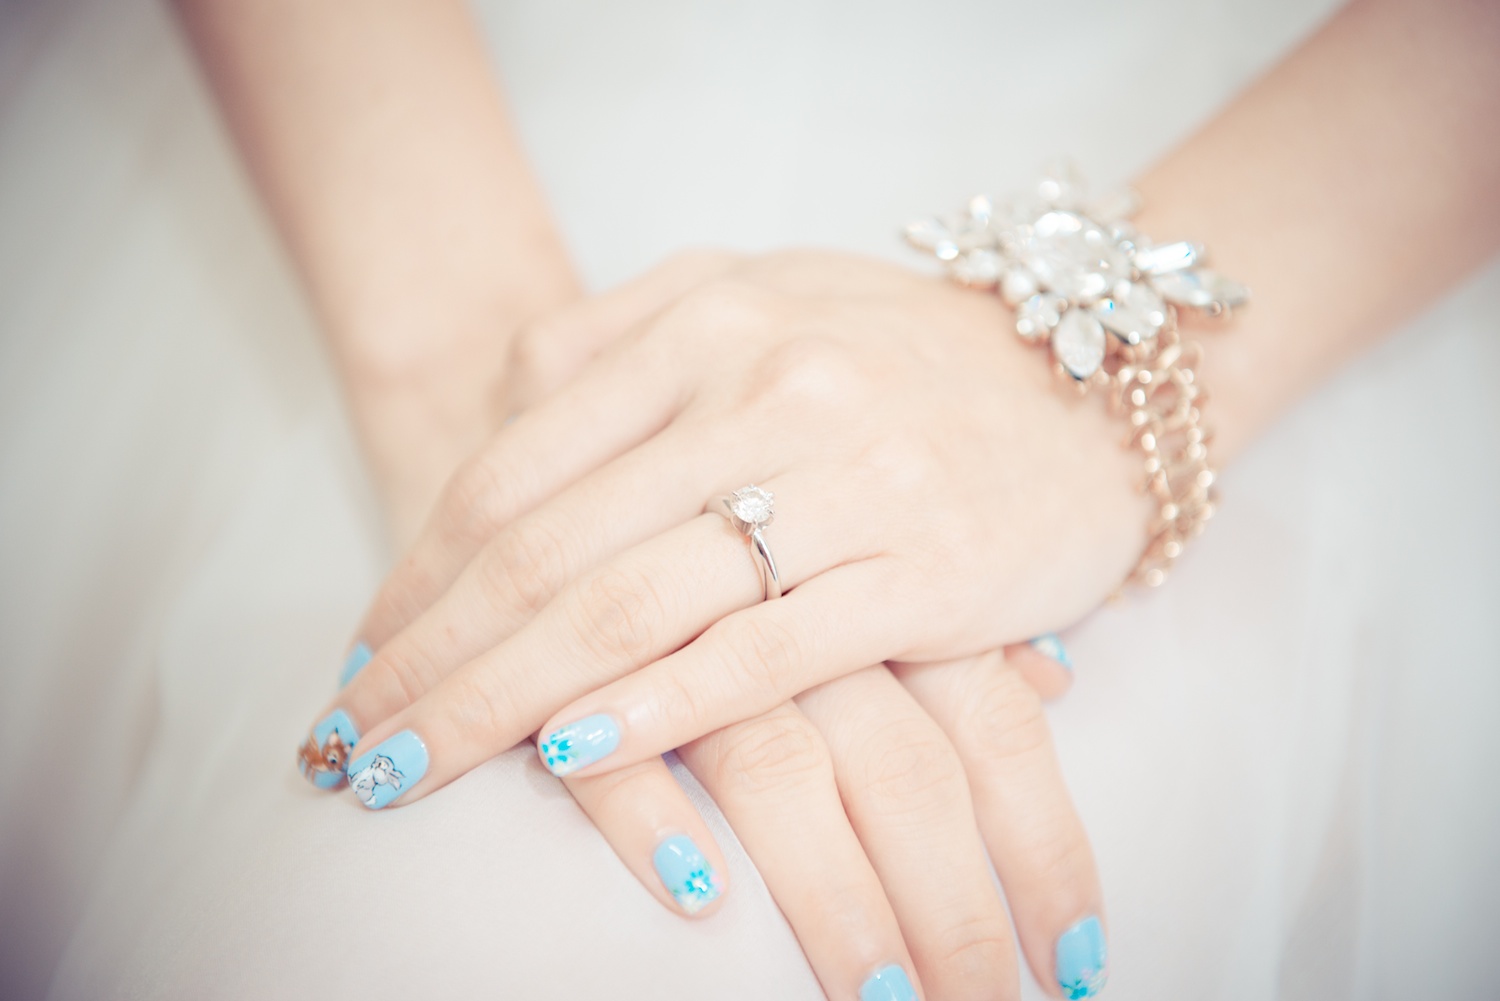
{"type": "Point", "coordinates": [936, 496]}
{"type": "Point", "coordinates": [858, 804]}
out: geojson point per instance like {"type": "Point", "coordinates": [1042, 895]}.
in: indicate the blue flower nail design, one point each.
{"type": "Point", "coordinates": [323, 757]}
{"type": "Point", "coordinates": [686, 874]}
{"type": "Point", "coordinates": [1082, 959]}
{"type": "Point", "coordinates": [889, 983]}
{"type": "Point", "coordinates": [1049, 645]}
{"type": "Point", "coordinates": [354, 663]}
{"type": "Point", "coordinates": [578, 745]}
{"type": "Point", "coordinates": [394, 766]}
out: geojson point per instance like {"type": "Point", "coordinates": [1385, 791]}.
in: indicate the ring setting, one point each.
{"type": "Point", "coordinates": [749, 510]}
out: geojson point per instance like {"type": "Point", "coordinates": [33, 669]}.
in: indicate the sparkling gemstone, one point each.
{"type": "Point", "coordinates": [933, 235]}
{"type": "Point", "coordinates": [752, 505]}
{"type": "Point", "coordinates": [1017, 286]}
{"type": "Point", "coordinates": [1168, 257]}
{"type": "Point", "coordinates": [1036, 317]}
{"type": "Point", "coordinates": [1202, 289]}
{"type": "Point", "coordinates": [1078, 343]}
{"type": "Point", "coordinates": [1134, 312]}
{"type": "Point", "coordinates": [979, 268]}
{"type": "Point", "coordinates": [1072, 256]}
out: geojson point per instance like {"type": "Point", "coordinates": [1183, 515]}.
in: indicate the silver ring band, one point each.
{"type": "Point", "coordinates": [749, 510]}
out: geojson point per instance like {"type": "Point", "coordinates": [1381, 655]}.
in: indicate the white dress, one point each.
{"type": "Point", "coordinates": [1284, 757]}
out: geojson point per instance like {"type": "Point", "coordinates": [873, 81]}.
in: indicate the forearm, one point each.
{"type": "Point", "coordinates": [380, 145]}
{"type": "Point", "coordinates": [1348, 188]}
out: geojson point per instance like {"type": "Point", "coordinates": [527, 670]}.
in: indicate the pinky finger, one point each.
{"type": "Point", "coordinates": [659, 835]}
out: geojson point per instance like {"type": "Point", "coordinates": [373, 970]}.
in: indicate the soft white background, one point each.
{"type": "Point", "coordinates": [1285, 758]}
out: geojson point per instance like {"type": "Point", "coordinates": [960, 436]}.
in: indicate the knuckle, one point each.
{"type": "Point", "coordinates": [908, 766]}
{"type": "Point", "coordinates": [619, 614]}
{"type": "Point", "coordinates": [1004, 719]}
{"type": "Point", "coordinates": [619, 794]}
{"type": "Point", "coordinates": [473, 506]}
{"type": "Point", "coordinates": [772, 754]}
{"type": "Point", "coordinates": [761, 652]}
{"type": "Point", "coordinates": [977, 950]}
{"type": "Point", "coordinates": [522, 568]}
{"type": "Point", "coordinates": [411, 674]}
{"type": "Point", "coordinates": [810, 370]}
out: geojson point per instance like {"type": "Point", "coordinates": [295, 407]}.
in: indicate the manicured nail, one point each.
{"type": "Point", "coordinates": [1049, 645]}
{"type": "Point", "coordinates": [1082, 960]}
{"type": "Point", "coordinates": [324, 757]}
{"type": "Point", "coordinates": [686, 874]}
{"type": "Point", "coordinates": [578, 745]}
{"type": "Point", "coordinates": [354, 663]}
{"type": "Point", "coordinates": [394, 766]}
{"type": "Point", "coordinates": [889, 983]}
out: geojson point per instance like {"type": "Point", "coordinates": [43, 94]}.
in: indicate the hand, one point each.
{"type": "Point", "coordinates": [855, 803]}
{"type": "Point", "coordinates": [938, 496]}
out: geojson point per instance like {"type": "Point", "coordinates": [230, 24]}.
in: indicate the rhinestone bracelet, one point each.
{"type": "Point", "coordinates": [1103, 298]}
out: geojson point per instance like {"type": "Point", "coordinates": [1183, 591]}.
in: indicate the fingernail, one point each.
{"type": "Point", "coordinates": [686, 874]}
{"type": "Point", "coordinates": [1082, 960]}
{"type": "Point", "coordinates": [354, 663]}
{"type": "Point", "coordinates": [889, 983]}
{"type": "Point", "coordinates": [1050, 645]}
{"type": "Point", "coordinates": [394, 766]}
{"type": "Point", "coordinates": [580, 744]}
{"type": "Point", "coordinates": [323, 758]}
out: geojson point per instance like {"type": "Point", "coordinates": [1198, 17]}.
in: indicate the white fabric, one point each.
{"type": "Point", "coordinates": [1284, 758]}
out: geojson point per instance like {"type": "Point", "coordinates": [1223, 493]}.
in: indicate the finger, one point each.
{"type": "Point", "coordinates": [556, 347]}
{"type": "Point", "coordinates": [1035, 837]}
{"type": "Point", "coordinates": [617, 403]}
{"type": "Point", "coordinates": [605, 624]}
{"type": "Point", "coordinates": [530, 561]}
{"type": "Point", "coordinates": [773, 779]}
{"type": "Point", "coordinates": [741, 665]}
{"type": "Point", "coordinates": [908, 799]}
{"type": "Point", "coordinates": [1045, 664]}
{"type": "Point", "coordinates": [654, 828]}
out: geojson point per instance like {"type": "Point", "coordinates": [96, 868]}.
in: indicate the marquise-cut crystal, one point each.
{"type": "Point", "coordinates": [1168, 257]}
{"type": "Point", "coordinates": [980, 268]}
{"type": "Point", "coordinates": [752, 505]}
{"type": "Point", "coordinates": [1202, 289]}
{"type": "Point", "coordinates": [1072, 256]}
{"type": "Point", "coordinates": [933, 235]}
{"type": "Point", "coordinates": [1036, 317]}
{"type": "Point", "coordinates": [1134, 312]}
{"type": "Point", "coordinates": [1078, 343]}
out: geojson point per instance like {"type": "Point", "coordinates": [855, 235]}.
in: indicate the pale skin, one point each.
{"type": "Point", "coordinates": [1349, 187]}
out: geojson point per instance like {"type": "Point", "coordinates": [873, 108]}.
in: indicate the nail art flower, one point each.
{"type": "Point", "coordinates": [1074, 270]}
{"type": "Point", "coordinates": [700, 889]}
{"type": "Point", "coordinates": [559, 753]}
{"type": "Point", "coordinates": [380, 771]}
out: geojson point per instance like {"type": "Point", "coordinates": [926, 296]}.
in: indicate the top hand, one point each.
{"type": "Point", "coordinates": [936, 496]}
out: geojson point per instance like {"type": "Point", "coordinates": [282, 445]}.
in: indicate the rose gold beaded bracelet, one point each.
{"type": "Point", "coordinates": [1103, 299]}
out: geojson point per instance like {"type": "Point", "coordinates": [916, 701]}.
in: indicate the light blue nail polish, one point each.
{"type": "Point", "coordinates": [1048, 644]}
{"type": "Point", "coordinates": [394, 766]}
{"type": "Point", "coordinates": [354, 663]}
{"type": "Point", "coordinates": [889, 983]}
{"type": "Point", "coordinates": [325, 755]}
{"type": "Point", "coordinates": [1082, 959]}
{"type": "Point", "coordinates": [686, 874]}
{"type": "Point", "coordinates": [580, 744]}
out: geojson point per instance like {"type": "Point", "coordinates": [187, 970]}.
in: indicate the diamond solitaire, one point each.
{"type": "Point", "coordinates": [753, 506]}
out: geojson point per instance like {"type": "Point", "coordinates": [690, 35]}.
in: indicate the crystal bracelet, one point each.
{"type": "Point", "coordinates": [1103, 298]}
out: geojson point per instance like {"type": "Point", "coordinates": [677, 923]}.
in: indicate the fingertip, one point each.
{"type": "Point", "coordinates": [692, 880]}
{"type": "Point", "coordinates": [1044, 663]}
